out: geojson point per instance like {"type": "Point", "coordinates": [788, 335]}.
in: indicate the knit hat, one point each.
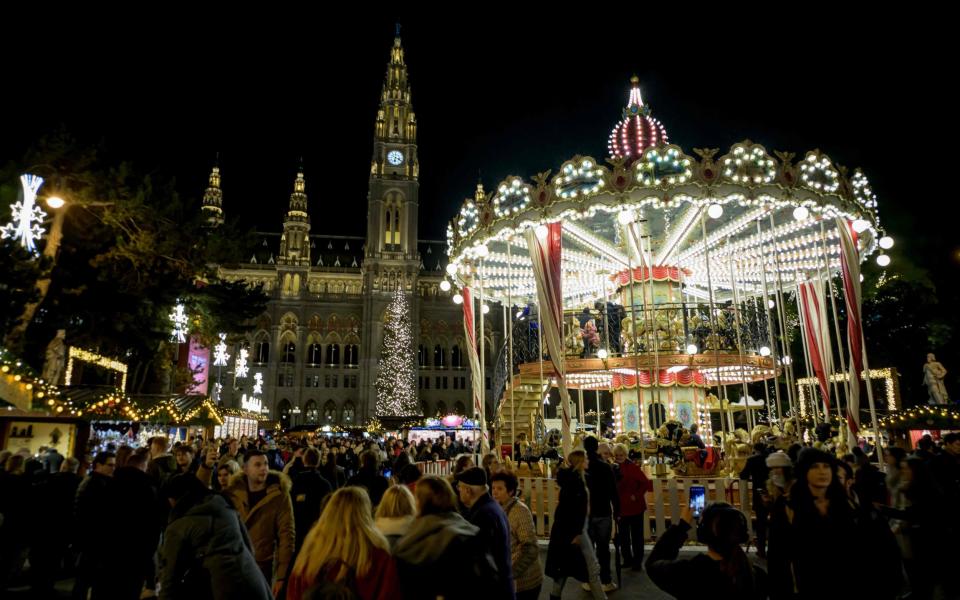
{"type": "Point", "coordinates": [472, 476]}
{"type": "Point", "coordinates": [778, 459]}
{"type": "Point", "coordinates": [809, 456]}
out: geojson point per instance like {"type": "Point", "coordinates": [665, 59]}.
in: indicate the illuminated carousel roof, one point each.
{"type": "Point", "coordinates": [725, 220]}
{"type": "Point", "coordinates": [637, 131]}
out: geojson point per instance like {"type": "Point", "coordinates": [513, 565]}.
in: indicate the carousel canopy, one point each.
{"type": "Point", "coordinates": [709, 220]}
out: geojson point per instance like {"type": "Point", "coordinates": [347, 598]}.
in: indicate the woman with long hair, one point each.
{"type": "Point", "coordinates": [344, 551]}
{"type": "Point", "coordinates": [722, 571]}
{"type": "Point", "coordinates": [396, 512]}
{"type": "Point", "coordinates": [570, 553]}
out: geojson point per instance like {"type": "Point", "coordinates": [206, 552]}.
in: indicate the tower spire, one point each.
{"type": "Point", "coordinates": [213, 196]}
{"type": "Point", "coordinates": [295, 242]}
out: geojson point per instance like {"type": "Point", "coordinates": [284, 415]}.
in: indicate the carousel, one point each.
{"type": "Point", "coordinates": [664, 277]}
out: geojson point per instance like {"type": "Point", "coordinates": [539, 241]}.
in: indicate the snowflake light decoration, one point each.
{"type": "Point", "coordinates": [257, 383]}
{"type": "Point", "coordinates": [26, 215]}
{"type": "Point", "coordinates": [220, 356]}
{"type": "Point", "coordinates": [179, 319]}
{"type": "Point", "coordinates": [241, 368]}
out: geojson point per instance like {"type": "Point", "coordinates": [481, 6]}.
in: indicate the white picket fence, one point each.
{"type": "Point", "coordinates": [442, 468]}
{"type": "Point", "coordinates": [663, 503]}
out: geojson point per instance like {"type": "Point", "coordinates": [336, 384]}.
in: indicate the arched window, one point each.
{"type": "Point", "coordinates": [456, 358]}
{"type": "Point", "coordinates": [289, 353]}
{"type": "Point", "coordinates": [329, 412]}
{"type": "Point", "coordinates": [349, 413]}
{"type": "Point", "coordinates": [458, 409]}
{"type": "Point", "coordinates": [283, 410]}
{"type": "Point", "coordinates": [261, 348]}
{"type": "Point", "coordinates": [421, 356]}
{"type": "Point", "coordinates": [441, 409]}
{"type": "Point", "coordinates": [311, 413]}
{"type": "Point", "coordinates": [439, 356]}
{"type": "Point", "coordinates": [351, 355]}
{"type": "Point", "coordinates": [333, 354]}
{"type": "Point", "coordinates": [314, 354]}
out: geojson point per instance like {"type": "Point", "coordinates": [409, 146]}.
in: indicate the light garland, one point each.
{"type": "Point", "coordinates": [940, 414]}
{"type": "Point", "coordinates": [96, 359]}
{"type": "Point", "coordinates": [749, 164]}
{"type": "Point", "coordinates": [817, 172]}
{"type": "Point", "coordinates": [667, 165]}
{"type": "Point", "coordinates": [575, 180]}
{"type": "Point", "coordinates": [888, 375]}
{"type": "Point", "coordinates": [512, 196]}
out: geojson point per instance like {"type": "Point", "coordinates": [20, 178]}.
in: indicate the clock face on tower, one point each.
{"type": "Point", "coordinates": [395, 157]}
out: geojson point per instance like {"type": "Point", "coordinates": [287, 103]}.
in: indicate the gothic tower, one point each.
{"type": "Point", "coordinates": [293, 264]}
{"type": "Point", "coordinates": [391, 259]}
{"type": "Point", "coordinates": [213, 199]}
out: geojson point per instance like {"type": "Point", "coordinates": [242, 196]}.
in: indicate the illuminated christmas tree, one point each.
{"type": "Point", "coordinates": [396, 374]}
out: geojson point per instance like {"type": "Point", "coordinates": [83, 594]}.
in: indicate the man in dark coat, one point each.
{"type": "Point", "coordinates": [484, 512]}
{"type": "Point", "coordinates": [206, 552]}
{"type": "Point", "coordinates": [53, 497]}
{"type": "Point", "coordinates": [93, 516]}
{"type": "Point", "coordinates": [307, 493]}
{"type": "Point", "coordinates": [604, 508]}
{"type": "Point", "coordinates": [755, 470]}
{"type": "Point", "coordinates": [135, 505]}
{"type": "Point", "coordinates": [370, 478]}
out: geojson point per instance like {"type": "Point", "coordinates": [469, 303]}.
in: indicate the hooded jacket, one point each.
{"type": "Point", "coordinates": [270, 522]}
{"type": "Point", "coordinates": [440, 556]}
{"type": "Point", "coordinates": [206, 554]}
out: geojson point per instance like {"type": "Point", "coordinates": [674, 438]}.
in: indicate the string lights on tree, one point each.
{"type": "Point", "coordinates": [396, 375]}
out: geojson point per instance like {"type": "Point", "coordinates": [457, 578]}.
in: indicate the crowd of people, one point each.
{"type": "Point", "coordinates": [356, 518]}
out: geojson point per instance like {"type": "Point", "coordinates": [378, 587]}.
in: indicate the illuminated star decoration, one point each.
{"type": "Point", "coordinates": [26, 215]}
{"type": "Point", "coordinates": [220, 356]}
{"type": "Point", "coordinates": [179, 319]}
{"type": "Point", "coordinates": [241, 369]}
{"type": "Point", "coordinates": [217, 390]}
{"type": "Point", "coordinates": [257, 383]}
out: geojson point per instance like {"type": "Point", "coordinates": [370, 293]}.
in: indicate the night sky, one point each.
{"type": "Point", "coordinates": [497, 94]}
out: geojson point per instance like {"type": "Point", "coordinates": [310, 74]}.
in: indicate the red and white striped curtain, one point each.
{"type": "Point", "coordinates": [545, 254]}
{"type": "Point", "coordinates": [812, 302]}
{"type": "Point", "coordinates": [850, 270]}
{"type": "Point", "coordinates": [469, 332]}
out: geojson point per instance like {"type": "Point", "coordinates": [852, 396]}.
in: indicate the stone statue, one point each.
{"type": "Point", "coordinates": [55, 358]}
{"type": "Point", "coordinates": [933, 374]}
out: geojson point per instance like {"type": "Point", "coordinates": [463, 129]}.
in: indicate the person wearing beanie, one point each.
{"type": "Point", "coordinates": [776, 496]}
{"type": "Point", "coordinates": [484, 512]}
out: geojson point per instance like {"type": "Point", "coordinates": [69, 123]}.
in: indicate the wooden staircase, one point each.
{"type": "Point", "coordinates": [516, 411]}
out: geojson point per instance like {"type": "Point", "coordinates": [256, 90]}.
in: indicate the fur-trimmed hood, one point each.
{"type": "Point", "coordinates": [274, 478]}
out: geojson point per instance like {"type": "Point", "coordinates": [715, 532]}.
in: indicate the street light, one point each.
{"type": "Point", "coordinates": [55, 202]}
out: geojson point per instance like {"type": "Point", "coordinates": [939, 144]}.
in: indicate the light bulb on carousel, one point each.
{"type": "Point", "coordinates": [602, 354]}
{"type": "Point", "coordinates": [771, 304]}
{"type": "Point", "coordinates": [483, 251]}
{"type": "Point", "coordinates": [886, 242]}
{"type": "Point", "coordinates": [861, 225]}
{"type": "Point", "coordinates": [445, 285]}
{"type": "Point", "coordinates": [485, 309]}
{"type": "Point", "coordinates": [451, 269]}
{"type": "Point", "coordinates": [764, 351]}
{"type": "Point", "coordinates": [715, 211]}
{"type": "Point", "coordinates": [800, 213]}
{"type": "Point", "coordinates": [625, 217]}
{"type": "Point", "coordinates": [542, 231]}
{"type": "Point", "coordinates": [692, 348]}
{"type": "Point", "coordinates": [457, 299]}
{"type": "Point", "coordinates": [883, 260]}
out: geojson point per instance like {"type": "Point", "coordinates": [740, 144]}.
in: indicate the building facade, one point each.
{"type": "Point", "coordinates": [316, 348]}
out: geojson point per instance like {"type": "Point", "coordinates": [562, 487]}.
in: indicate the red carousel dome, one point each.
{"type": "Point", "coordinates": [637, 131]}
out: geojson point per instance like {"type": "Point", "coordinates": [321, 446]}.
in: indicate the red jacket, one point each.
{"type": "Point", "coordinates": [381, 582]}
{"type": "Point", "coordinates": [632, 484]}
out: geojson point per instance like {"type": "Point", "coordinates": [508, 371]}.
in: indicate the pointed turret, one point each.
{"type": "Point", "coordinates": [295, 243]}
{"type": "Point", "coordinates": [213, 198]}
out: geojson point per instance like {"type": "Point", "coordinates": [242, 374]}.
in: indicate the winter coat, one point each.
{"type": "Point", "coordinates": [270, 521]}
{"type": "Point", "coordinates": [206, 553]}
{"type": "Point", "coordinates": [632, 486]}
{"type": "Point", "coordinates": [93, 513]}
{"type": "Point", "coordinates": [135, 503]}
{"type": "Point", "coordinates": [494, 530]}
{"type": "Point", "coordinates": [394, 528]}
{"type": "Point", "coordinates": [524, 551]}
{"type": "Point", "coordinates": [380, 582]}
{"type": "Point", "coordinates": [564, 558]}
{"type": "Point", "coordinates": [698, 577]}
{"type": "Point", "coordinates": [307, 493]}
{"type": "Point", "coordinates": [373, 482]}
{"type": "Point", "coordinates": [604, 499]}
{"type": "Point", "coordinates": [442, 555]}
